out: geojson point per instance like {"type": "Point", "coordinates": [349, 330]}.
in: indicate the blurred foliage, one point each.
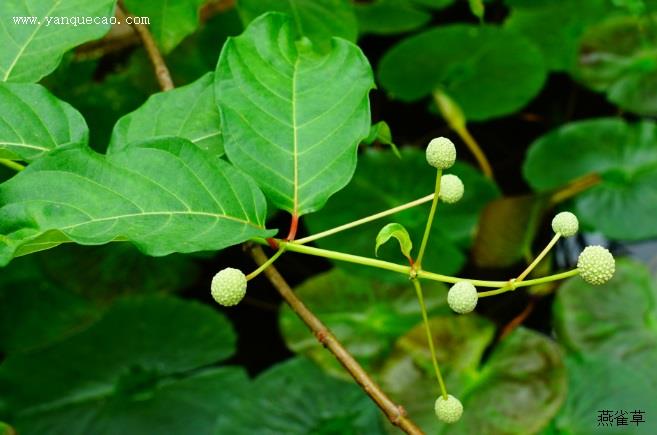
{"type": "Point", "coordinates": [95, 340]}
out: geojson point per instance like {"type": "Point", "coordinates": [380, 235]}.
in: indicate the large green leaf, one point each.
{"type": "Point", "coordinates": [618, 58]}
{"type": "Point", "coordinates": [516, 391]}
{"type": "Point", "coordinates": [367, 316]}
{"type": "Point", "coordinates": [292, 118]}
{"type": "Point", "coordinates": [33, 121]}
{"type": "Point", "coordinates": [389, 16]}
{"type": "Point", "coordinates": [295, 397]}
{"type": "Point", "coordinates": [625, 390]}
{"type": "Point", "coordinates": [623, 204]}
{"type": "Point", "coordinates": [555, 27]}
{"type": "Point", "coordinates": [126, 373]}
{"type": "Point", "coordinates": [610, 334]}
{"type": "Point", "coordinates": [188, 112]}
{"type": "Point", "coordinates": [35, 311]}
{"type": "Point", "coordinates": [31, 51]}
{"type": "Point", "coordinates": [170, 20]}
{"type": "Point", "coordinates": [370, 192]}
{"type": "Point", "coordinates": [487, 70]}
{"type": "Point", "coordinates": [616, 319]}
{"type": "Point", "coordinates": [319, 20]}
{"type": "Point", "coordinates": [164, 195]}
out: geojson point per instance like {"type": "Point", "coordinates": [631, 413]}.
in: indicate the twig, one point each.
{"type": "Point", "coordinates": [12, 165]}
{"type": "Point", "coordinates": [395, 413]}
{"type": "Point", "coordinates": [161, 71]}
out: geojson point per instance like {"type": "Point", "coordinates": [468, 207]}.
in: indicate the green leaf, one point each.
{"type": "Point", "coordinates": [188, 112]}
{"type": "Point", "coordinates": [5, 429]}
{"type": "Point", "coordinates": [35, 311]}
{"type": "Point", "coordinates": [385, 17]}
{"type": "Point", "coordinates": [617, 58]}
{"type": "Point", "coordinates": [292, 118]}
{"type": "Point", "coordinates": [616, 319]}
{"type": "Point", "coordinates": [555, 27]}
{"type": "Point", "coordinates": [165, 196]}
{"type": "Point", "coordinates": [367, 316]}
{"type": "Point", "coordinates": [433, 4]}
{"type": "Point", "coordinates": [295, 397]}
{"type": "Point", "coordinates": [488, 71]}
{"type": "Point", "coordinates": [398, 232]}
{"type": "Point", "coordinates": [31, 51]}
{"type": "Point", "coordinates": [129, 382]}
{"type": "Point", "coordinates": [318, 20]}
{"type": "Point", "coordinates": [107, 271]}
{"type": "Point", "coordinates": [507, 230]}
{"type": "Point", "coordinates": [33, 121]}
{"type": "Point", "coordinates": [381, 132]}
{"type": "Point", "coordinates": [169, 20]}
{"type": "Point", "coordinates": [370, 192]}
{"type": "Point", "coordinates": [477, 8]}
{"type": "Point", "coordinates": [625, 388]}
{"type": "Point", "coordinates": [516, 391]}
{"type": "Point", "coordinates": [622, 205]}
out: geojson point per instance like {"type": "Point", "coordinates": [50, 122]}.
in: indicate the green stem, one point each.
{"type": "Point", "coordinates": [365, 220]}
{"type": "Point", "coordinates": [529, 282]}
{"type": "Point", "coordinates": [425, 319]}
{"type": "Point", "coordinates": [406, 270]}
{"type": "Point", "coordinates": [265, 265]}
{"type": "Point", "coordinates": [540, 257]}
{"type": "Point", "coordinates": [432, 212]}
{"type": "Point", "coordinates": [12, 165]}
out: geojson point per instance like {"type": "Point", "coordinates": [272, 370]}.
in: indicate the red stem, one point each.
{"type": "Point", "coordinates": [294, 224]}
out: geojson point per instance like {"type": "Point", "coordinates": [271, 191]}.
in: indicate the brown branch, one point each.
{"type": "Point", "coordinates": [161, 71]}
{"type": "Point", "coordinates": [395, 413]}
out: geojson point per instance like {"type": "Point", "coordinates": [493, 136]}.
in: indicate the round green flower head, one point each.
{"type": "Point", "coordinates": [565, 223]}
{"type": "Point", "coordinates": [448, 410]}
{"type": "Point", "coordinates": [462, 297]}
{"type": "Point", "coordinates": [441, 153]}
{"type": "Point", "coordinates": [451, 188]}
{"type": "Point", "coordinates": [596, 265]}
{"type": "Point", "coordinates": [228, 287]}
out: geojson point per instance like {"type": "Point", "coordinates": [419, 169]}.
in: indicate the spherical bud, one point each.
{"type": "Point", "coordinates": [451, 188]}
{"type": "Point", "coordinates": [228, 287]}
{"type": "Point", "coordinates": [441, 153]}
{"type": "Point", "coordinates": [596, 265]}
{"type": "Point", "coordinates": [448, 410]}
{"type": "Point", "coordinates": [462, 297]}
{"type": "Point", "coordinates": [565, 223]}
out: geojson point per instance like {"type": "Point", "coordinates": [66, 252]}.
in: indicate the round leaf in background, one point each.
{"type": "Point", "coordinates": [619, 57]}
{"type": "Point", "coordinates": [489, 71]}
{"type": "Point", "coordinates": [624, 204]}
{"type": "Point", "coordinates": [367, 316]}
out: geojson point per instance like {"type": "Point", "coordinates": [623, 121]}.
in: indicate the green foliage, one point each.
{"type": "Point", "coordinates": [117, 376]}
{"type": "Point", "coordinates": [367, 316]}
{"type": "Point", "coordinates": [188, 112]}
{"type": "Point", "coordinates": [389, 16]}
{"type": "Point", "coordinates": [370, 192]}
{"type": "Point", "coordinates": [318, 20]}
{"type": "Point", "coordinates": [33, 121]}
{"type": "Point", "coordinates": [609, 332]}
{"type": "Point", "coordinates": [164, 195]}
{"type": "Point", "coordinates": [624, 156]}
{"type": "Point", "coordinates": [303, 113]}
{"type": "Point", "coordinates": [170, 20]}
{"type": "Point", "coordinates": [525, 369]}
{"type": "Point", "coordinates": [317, 404]}
{"type": "Point", "coordinates": [398, 232]}
{"type": "Point", "coordinates": [468, 63]}
{"type": "Point", "coordinates": [618, 56]}
{"type": "Point", "coordinates": [31, 51]}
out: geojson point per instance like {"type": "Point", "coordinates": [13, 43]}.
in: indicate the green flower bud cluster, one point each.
{"type": "Point", "coordinates": [228, 287]}
{"type": "Point", "coordinates": [462, 297]}
{"type": "Point", "coordinates": [596, 265]}
{"type": "Point", "coordinates": [448, 410]}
